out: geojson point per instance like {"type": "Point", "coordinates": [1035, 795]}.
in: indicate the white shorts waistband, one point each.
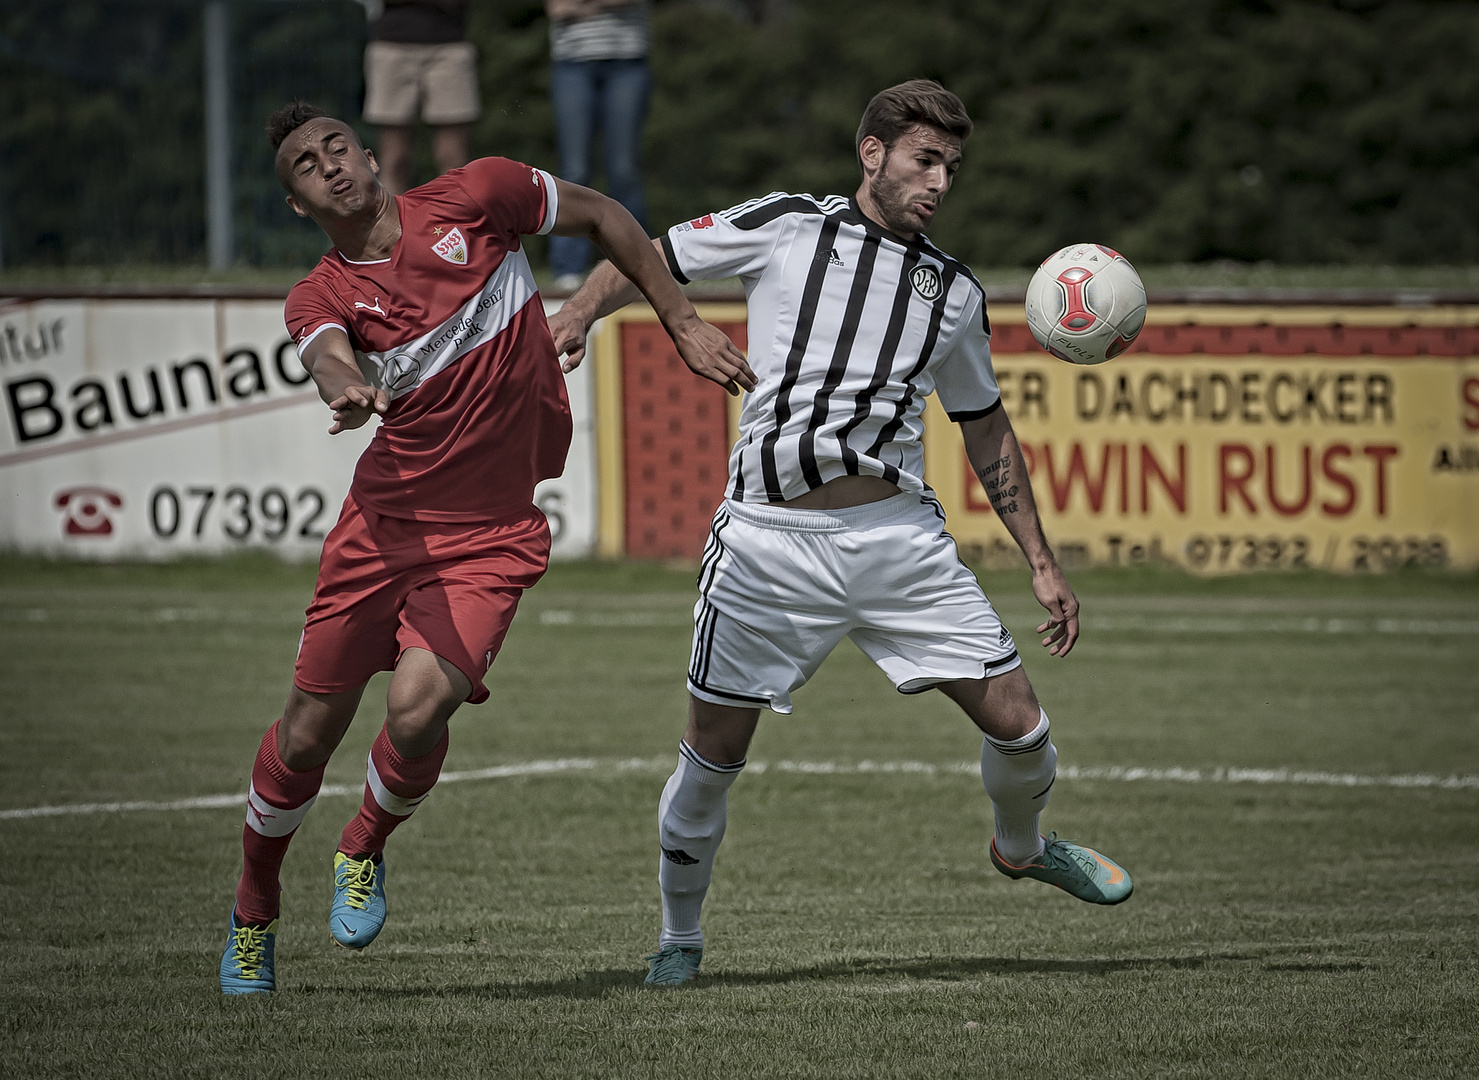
{"type": "Point", "coordinates": [770, 516]}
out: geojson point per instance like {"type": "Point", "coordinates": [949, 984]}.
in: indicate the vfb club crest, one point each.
{"type": "Point", "coordinates": [452, 247]}
{"type": "Point", "coordinates": [926, 281]}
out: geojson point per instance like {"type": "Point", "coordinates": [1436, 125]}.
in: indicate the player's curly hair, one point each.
{"type": "Point", "coordinates": [289, 119]}
{"type": "Point", "coordinates": [901, 108]}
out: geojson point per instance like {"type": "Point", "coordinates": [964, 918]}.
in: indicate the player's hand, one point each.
{"type": "Point", "coordinates": [355, 405]}
{"type": "Point", "coordinates": [569, 332]}
{"type": "Point", "coordinates": [708, 351]}
{"type": "Point", "coordinates": [1052, 592]}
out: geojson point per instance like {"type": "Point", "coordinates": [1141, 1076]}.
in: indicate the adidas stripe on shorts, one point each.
{"type": "Point", "coordinates": [780, 588]}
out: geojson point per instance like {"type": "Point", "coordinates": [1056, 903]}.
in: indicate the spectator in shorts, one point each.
{"type": "Point", "coordinates": [418, 62]}
{"type": "Point", "coordinates": [598, 84]}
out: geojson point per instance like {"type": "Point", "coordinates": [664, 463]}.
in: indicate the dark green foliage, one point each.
{"type": "Point", "coordinates": [101, 146]}
{"type": "Point", "coordinates": [1321, 131]}
{"type": "Point", "coordinates": [1298, 132]}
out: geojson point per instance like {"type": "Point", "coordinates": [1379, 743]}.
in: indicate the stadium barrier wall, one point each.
{"type": "Point", "coordinates": [1231, 437]}
{"type": "Point", "coordinates": [160, 427]}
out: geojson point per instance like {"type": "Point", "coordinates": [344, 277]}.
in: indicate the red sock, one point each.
{"type": "Point", "coordinates": [276, 806]}
{"type": "Point", "coordinates": [394, 787]}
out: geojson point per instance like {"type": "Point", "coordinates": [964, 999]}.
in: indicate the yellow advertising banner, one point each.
{"type": "Point", "coordinates": [1224, 463]}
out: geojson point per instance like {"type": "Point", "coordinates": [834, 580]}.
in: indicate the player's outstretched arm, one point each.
{"type": "Point", "coordinates": [996, 456]}
{"type": "Point", "coordinates": [329, 358]}
{"type": "Point", "coordinates": [706, 350]}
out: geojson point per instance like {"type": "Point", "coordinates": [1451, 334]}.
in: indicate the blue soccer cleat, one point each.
{"type": "Point", "coordinates": [673, 965]}
{"type": "Point", "coordinates": [1075, 869]}
{"type": "Point", "coordinates": [246, 966]}
{"type": "Point", "coordinates": [359, 900]}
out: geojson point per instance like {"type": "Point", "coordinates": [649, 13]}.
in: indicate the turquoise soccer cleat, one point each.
{"type": "Point", "coordinates": [247, 964]}
{"type": "Point", "coordinates": [673, 965]}
{"type": "Point", "coordinates": [359, 900]}
{"type": "Point", "coordinates": [1073, 868]}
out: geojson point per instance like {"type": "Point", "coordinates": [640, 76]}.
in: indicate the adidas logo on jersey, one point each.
{"type": "Point", "coordinates": [832, 258]}
{"type": "Point", "coordinates": [1005, 641]}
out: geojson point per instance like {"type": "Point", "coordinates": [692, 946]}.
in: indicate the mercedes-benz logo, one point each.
{"type": "Point", "coordinates": [401, 370]}
{"type": "Point", "coordinates": [926, 281]}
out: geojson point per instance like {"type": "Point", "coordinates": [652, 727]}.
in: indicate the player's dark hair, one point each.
{"type": "Point", "coordinates": [900, 109]}
{"type": "Point", "coordinates": [289, 119]}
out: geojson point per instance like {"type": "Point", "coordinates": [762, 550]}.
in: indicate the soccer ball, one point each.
{"type": "Point", "coordinates": [1085, 304]}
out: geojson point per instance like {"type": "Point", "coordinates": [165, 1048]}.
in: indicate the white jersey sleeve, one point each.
{"type": "Point", "coordinates": [737, 242]}
{"type": "Point", "coordinates": [965, 381]}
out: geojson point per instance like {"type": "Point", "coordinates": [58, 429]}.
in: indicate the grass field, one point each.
{"type": "Point", "coordinates": [1303, 924]}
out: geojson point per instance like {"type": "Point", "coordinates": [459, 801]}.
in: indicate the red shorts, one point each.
{"type": "Point", "coordinates": [386, 585]}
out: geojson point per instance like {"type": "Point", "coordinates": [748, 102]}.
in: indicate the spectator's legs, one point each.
{"type": "Point", "coordinates": [623, 113]}
{"type": "Point", "coordinates": [394, 156]}
{"type": "Point", "coordinates": [449, 146]}
{"type": "Point", "coordinates": [573, 94]}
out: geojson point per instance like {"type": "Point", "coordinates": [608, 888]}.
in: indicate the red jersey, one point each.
{"type": "Point", "coordinates": [452, 326]}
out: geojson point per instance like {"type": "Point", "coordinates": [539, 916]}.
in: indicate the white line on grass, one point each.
{"type": "Point", "coordinates": [622, 620]}
{"type": "Point", "coordinates": [1163, 624]}
{"type": "Point", "coordinates": [1118, 773]}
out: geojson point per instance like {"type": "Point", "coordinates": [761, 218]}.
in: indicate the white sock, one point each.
{"type": "Point", "coordinates": [690, 825]}
{"type": "Point", "coordinates": [1018, 776]}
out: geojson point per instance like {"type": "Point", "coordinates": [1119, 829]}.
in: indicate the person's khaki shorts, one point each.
{"type": "Point", "coordinates": [438, 81]}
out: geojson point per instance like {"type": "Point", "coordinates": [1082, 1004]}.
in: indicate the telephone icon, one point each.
{"type": "Point", "coordinates": [89, 510]}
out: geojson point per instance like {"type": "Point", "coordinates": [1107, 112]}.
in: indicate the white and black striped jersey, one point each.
{"type": "Point", "coordinates": [850, 329]}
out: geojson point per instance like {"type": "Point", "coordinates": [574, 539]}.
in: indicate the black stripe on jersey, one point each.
{"type": "Point", "coordinates": [863, 405]}
{"type": "Point", "coordinates": [805, 319]}
{"type": "Point", "coordinates": [974, 414]}
{"type": "Point", "coordinates": [889, 430]}
{"type": "Point", "coordinates": [765, 211]}
{"type": "Point", "coordinates": [667, 250]}
{"type": "Point", "coordinates": [852, 315]}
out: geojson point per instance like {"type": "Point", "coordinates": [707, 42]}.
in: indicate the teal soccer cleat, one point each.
{"type": "Point", "coordinates": [359, 900]}
{"type": "Point", "coordinates": [1074, 869]}
{"type": "Point", "coordinates": [673, 965]}
{"type": "Point", "coordinates": [246, 966]}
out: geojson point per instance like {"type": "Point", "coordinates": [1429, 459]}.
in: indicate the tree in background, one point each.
{"type": "Point", "coordinates": [1302, 131]}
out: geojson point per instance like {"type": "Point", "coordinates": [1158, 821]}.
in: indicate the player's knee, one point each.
{"type": "Point", "coordinates": [418, 710]}
{"type": "Point", "coordinates": [312, 726]}
{"type": "Point", "coordinates": [308, 743]}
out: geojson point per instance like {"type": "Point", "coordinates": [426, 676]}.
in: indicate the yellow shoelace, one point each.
{"type": "Point", "coordinates": [357, 878]}
{"type": "Point", "coordinates": [250, 943]}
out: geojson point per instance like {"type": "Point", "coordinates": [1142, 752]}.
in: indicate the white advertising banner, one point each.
{"type": "Point", "coordinates": [160, 428]}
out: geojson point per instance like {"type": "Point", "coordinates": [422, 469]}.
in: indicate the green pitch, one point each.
{"type": "Point", "coordinates": [1319, 922]}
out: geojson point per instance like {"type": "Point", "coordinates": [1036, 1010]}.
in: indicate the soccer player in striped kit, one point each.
{"type": "Point", "coordinates": [828, 528]}
{"type": "Point", "coordinates": [425, 314]}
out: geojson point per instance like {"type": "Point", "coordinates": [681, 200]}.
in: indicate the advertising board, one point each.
{"type": "Point", "coordinates": [1238, 460]}
{"type": "Point", "coordinates": [160, 428]}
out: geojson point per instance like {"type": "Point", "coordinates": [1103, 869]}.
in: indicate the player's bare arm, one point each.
{"type": "Point", "coordinates": [996, 457]}
{"type": "Point", "coordinates": [636, 263]}
{"type": "Point", "coordinates": [329, 358]}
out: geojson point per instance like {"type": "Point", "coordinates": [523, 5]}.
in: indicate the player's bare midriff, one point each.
{"type": "Point", "coordinates": [843, 492]}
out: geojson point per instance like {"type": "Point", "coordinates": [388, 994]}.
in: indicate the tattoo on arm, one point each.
{"type": "Point", "coordinates": [996, 478]}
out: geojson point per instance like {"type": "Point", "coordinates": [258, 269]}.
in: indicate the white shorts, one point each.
{"type": "Point", "coordinates": [780, 588]}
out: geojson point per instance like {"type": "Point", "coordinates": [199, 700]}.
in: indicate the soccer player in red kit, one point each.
{"type": "Point", "coordinates": [425, 314]}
